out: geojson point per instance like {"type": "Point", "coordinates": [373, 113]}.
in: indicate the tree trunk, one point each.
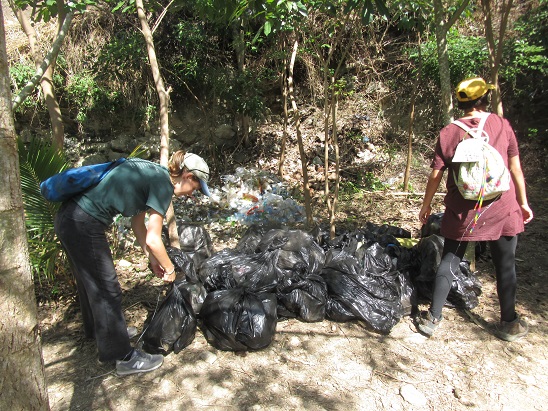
{"type": "Point", "coordinates": [285, 80]}
{"type": "Point", "coordinates": [239, 48]}
{"type": "Point", "coordinates": [443, 62]}
{"type": "Point", "coordinates": [411, 123]}
{"type": "Point", "coordinates": [22, 376]}
{"type": "Point", "coordinates": [46, 82]}
{"type": "Point", "coordinates": [164, 116]}
{"type": "Point", "coordinates": [57, 127]}
{"type": "Point", "coordinates": [442, 28]}
{"type": "Point", "coordinates": [304, 164]}
{"type": "Point", "coordinates": [48, 59]}
{"type": "Point", "coordinates": [495, 46]}
{"type": "Point", "coordinates": [333, 211]}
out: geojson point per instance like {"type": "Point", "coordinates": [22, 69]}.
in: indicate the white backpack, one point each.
{"type": "Point", "coordinates": [482, 174]}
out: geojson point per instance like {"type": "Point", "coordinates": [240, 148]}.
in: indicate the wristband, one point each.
{"type": "Point", "coordinates": [171, 272]}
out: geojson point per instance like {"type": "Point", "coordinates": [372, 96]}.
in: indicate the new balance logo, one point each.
{"type": "Point", "coordinates": [138, 365]}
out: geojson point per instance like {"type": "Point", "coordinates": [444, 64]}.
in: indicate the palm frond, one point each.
{"type": "Point", "coordinates": [37, 161]}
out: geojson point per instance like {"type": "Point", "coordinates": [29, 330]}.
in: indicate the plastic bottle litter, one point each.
{"type": "Point", "coordinates": [259, 197]}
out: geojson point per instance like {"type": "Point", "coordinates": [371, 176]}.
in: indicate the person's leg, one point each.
{"type": "Point", "coordinates": [86, 245]}
{"type": "Point", "coordinates": [62, 229]}
{"type": "Point", "coordinates": [503, 252]}
{"type": "Point", "coordinates": [453, 252]}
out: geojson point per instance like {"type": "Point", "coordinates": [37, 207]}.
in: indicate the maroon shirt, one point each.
{"type": "Point", "coordinates": [500, 217]}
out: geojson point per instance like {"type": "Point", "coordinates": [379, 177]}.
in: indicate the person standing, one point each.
{"type": "Point", "coordinates": [499, 221]}
{"type": "Point", "coordinates": [136, 188]}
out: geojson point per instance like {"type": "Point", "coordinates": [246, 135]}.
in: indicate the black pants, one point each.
{"type": "Point", "coordinates": [84, 240]}
{"type": "Point", "coordinates": [503, 252]}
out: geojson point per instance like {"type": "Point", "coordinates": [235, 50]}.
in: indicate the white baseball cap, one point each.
{"type": "Point", "coordinates": [197, 166]}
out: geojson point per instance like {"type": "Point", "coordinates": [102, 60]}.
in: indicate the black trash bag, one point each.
{"type": "Point", "coordinates": [465, 288]}
{"type": "Point", "coordinates": [252, 237]}
{"type": "Point", "coordinates": [336, 311]}
{"type": "Point", "coordinates": [195, 241]}
{"type": "Point", "coordinates": [184, 265]}
{"type": "Point", "coordinates": [374, 260]}
{"type": "Point", "coordinates": [387, 230]}
{"type": "Point", "coordinates": [229, 269]}
{"type": "Point", "coordinates": [429, 250]}
{"type": "Point", "coordinates": [409, 294]}
{"type": "Point", "coordinates": [302, 296]}
{"type": "Point", "coordinates": [197, 292]}
{"type": "Point", "coordinates": [383, 234]}
{"type": "Point", "coordinates": [173, 326]}
{"type": "Point", "coordinates": [239, 320]}
{"type": "Point", "coordinates": [405, 261]}
{"type": "Point", "coordinates": [373, 298]}
{"type": "Point", "coordinates": [432, 225]}
{"type": "Point", "coordinates": [297, 250]}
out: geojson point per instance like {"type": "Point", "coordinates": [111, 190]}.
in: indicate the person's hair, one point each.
{"type": "Point", "coordinates": [482, 101]}
{"type": "Point", "coordinates": [175, 164]}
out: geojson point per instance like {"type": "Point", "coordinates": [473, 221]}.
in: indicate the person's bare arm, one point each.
{"type": "Point", "coordinates": [516, 172]}
{"type": "Point", "coordinates": [434, 181]}
{"type": "Point", "coordinates": [150, 240]}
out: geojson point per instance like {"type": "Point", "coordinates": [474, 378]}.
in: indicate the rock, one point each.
{"type": "Point", "coordinates": [412, 395]}
{"type": "Point", "coordinates": [124, 264]}
{"type": "Point", "coordinates": [208, 357]}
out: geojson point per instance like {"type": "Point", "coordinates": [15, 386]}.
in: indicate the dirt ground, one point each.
{"type": "Point", "coordinates": [325, 365]}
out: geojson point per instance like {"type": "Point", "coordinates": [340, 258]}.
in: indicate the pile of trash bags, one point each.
{"type": "Point", "coordinates": [237, 296]}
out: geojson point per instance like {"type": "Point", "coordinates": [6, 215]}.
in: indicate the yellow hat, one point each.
{"type": "Point", "coordinates": [472, 89]}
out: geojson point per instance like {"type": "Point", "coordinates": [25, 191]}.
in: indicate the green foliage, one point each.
{"type": "Point", "coordinates": [243, 95]}
{"type": "Point", "coordinates": [525, 60]}
{"type": "Point", "coordinates": [38, 161]}
{"type": "Point", "coordinates": [125, 51]}
{"type": "Point", "coordinates": [371, 182]}
{"type": "Point", "coordinates": [468, 56]}
{"type": "Point", "coordinates": [86, 95]}
{"type": "Point", "coordinates": [20, 74]}
{"type": "Point", "coordinates": [193, 59]}
{"type": "Point", "coordinates": [348, 190]}
{"type": "Point", "coordinates": [47, 9]}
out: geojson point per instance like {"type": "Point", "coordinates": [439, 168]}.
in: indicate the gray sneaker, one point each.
{"type": "Point", "coordinates": [140, 361]}
{"type": "Point", "coordinates": [512, 330]}
{"type": "Point", "coordinates": [428, 324]}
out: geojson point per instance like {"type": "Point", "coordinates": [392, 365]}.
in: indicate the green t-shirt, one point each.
{"type": "Point", "coordinates": [134, 186]}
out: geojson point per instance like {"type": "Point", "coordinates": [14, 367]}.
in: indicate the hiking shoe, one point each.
{"type": "Point", "coordinates": [428, 324]}
{"type": "Point", "coordinates": [139, 361]}
{"type": "Point", "coordinates": [512, 330]}
{"type": "Point", "coordinates": [131, 332]}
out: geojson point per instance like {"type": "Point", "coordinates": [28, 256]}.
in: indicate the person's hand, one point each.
{"type": "Point", "coordinates": [425, 212]}
{"type": "Point", "coordinates": [526, 213]}
{"type": "Point", "coordinates": [155, 266]}
{"type": "Point", "coordinates": [169, 278]}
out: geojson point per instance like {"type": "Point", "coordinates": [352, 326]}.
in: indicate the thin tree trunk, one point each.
{"type": "Point", "coordinates": [48, 59]}
{"type": "Point", "coordinates": [411, 123]}
{"type": "Point", "coordinates": [239, 47]}
{"type": "Point", "coordinates": [54, 111]}
{"type": "Point", "coordinates": [306, 184]}
{"type": "Point", "coordinates": [443, 62]}
{"type": "Point", "coordinates": [495, 46]}
{"type": "Point", "coordinates": [22, 376]}
{"type": "Point", "coordinates": [164, 116]}
{"type": "Point", "coordinates": [333, 211]}
{"type": "Point", "coordinates": [442, 28]}
{"type": "Point", "coordinates": [285, 86]}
